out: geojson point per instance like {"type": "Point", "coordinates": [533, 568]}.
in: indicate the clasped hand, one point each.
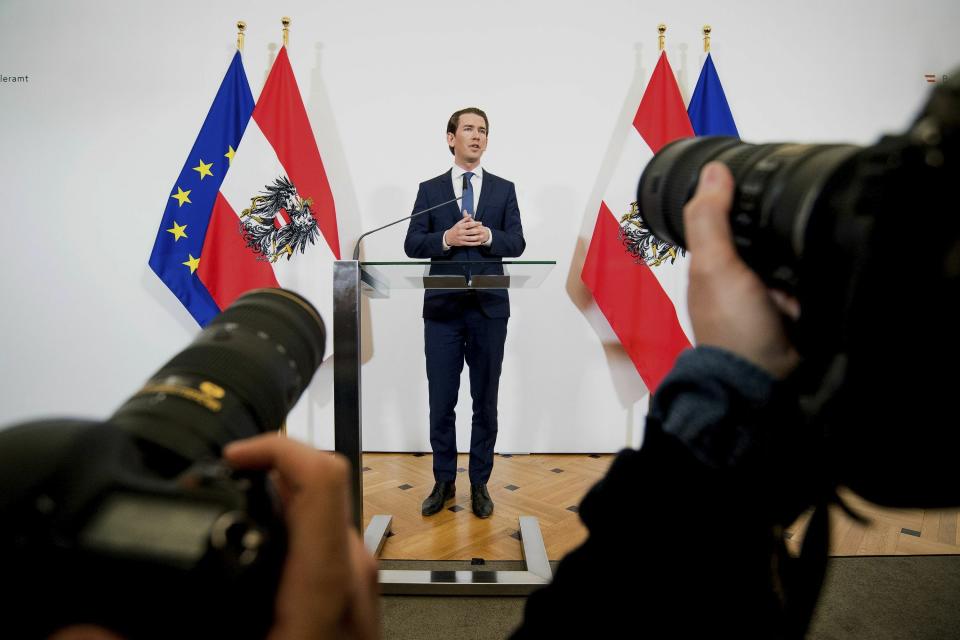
{"type": "Point", "coordinates": [466, 233]}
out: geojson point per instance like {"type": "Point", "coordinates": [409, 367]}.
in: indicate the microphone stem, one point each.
{"type": "Point", "coordinates": [356, 247]}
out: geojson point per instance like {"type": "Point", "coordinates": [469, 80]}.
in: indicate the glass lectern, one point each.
{"type": "Point", "coordinates": [377, 280]}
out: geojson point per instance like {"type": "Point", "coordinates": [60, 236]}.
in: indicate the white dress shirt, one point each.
{"type": "Point", "coordinates": [477, 183]}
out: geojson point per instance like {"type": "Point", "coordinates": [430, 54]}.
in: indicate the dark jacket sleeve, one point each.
{"type": "Point", "coordinates": [683, 544]}
{"type": "Point", "coordinates": [508, 240]}
{"type": "Point", "coordinates": [423, 241]}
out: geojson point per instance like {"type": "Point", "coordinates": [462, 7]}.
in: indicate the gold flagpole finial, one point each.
{"type": "Point", "coordinates": [285, 21]}
{"type": "Point", "coordinates": [241, 27]}
{"type": "Point", "coordinates": [662, 28]}
{"type": "Point", "coordinates": [706, 38]}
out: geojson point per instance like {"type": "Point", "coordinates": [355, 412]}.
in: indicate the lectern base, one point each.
{"type": "Point", "coordinates": [465, 583]}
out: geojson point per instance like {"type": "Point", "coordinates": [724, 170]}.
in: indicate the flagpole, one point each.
{"type": "Point", "coordinates": [706, 38]}
{"type": "Point", "coordinates": [285, 21]}
{"type": "Point", "coordinates": [241, 27]}
{"type": "Point", "coordinates": [662, 29]}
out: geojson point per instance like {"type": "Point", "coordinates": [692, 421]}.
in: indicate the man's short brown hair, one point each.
{"type": "Point", "coordinates": [454, 120]}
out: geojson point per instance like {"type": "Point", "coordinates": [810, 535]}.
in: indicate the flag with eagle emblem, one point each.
{"type": "Point", "coordinates": [644, 302]}
{"type": "Point", "coordinates": [250, 213]}
{"type": "Point", "coordinates": [277, 202]}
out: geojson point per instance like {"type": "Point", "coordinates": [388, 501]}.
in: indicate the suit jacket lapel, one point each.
{"type": "Point", "coordinates": [452, 210]}
{"type": "Point", "coordinates": [488, 187]}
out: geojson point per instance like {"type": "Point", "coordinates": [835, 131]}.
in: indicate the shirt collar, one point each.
{"type": "Point", "coordinates": [458, 171]}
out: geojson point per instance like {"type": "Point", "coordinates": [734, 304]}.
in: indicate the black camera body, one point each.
{"type": "Point", "coordinates": [104, 540]}
{"type": "Point", "coordinates": [868, 241]}
{"type": "Point", "coordinates": [134, 523]}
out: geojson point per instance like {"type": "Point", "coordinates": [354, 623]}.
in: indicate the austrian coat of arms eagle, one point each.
{"type": "Point", "coordinates": [278, 222]}
{"type": "Point", "coordinates": [640, 242]}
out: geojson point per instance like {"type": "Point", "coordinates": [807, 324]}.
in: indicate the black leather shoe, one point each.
{"type": "Point", "coordinates": [442, 491]}
{"type": "Point", "coordinates": [480, 501]}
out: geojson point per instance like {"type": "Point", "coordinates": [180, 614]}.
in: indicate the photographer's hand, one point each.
{"type": "Point", "coordinates": [329, 584]}
{"type": "Point", "coordinates": [729, 305]}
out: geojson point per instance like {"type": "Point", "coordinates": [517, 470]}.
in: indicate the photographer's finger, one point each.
{"type": "Point", "coordinates": [787, 304]}
{"type": "Point", "coordinates": [259, 452]}
{"type": "Point", "coordinates": [292, 459]}
{"type": "Point", "coordinates": [364, 612]}
{"type": "Point", "coordinates": [706, 217]}
{"type": "Point", "coordinates": [311, 600]}
{"type": "Point", "coordinates": [321, 475]}
{"type": "Point", "coordinates": [85, 632]}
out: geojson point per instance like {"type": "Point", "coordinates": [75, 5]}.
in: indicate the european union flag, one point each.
{"type": "Point", "coordinates": [178, 248]}
{"type": "Point", "coordinates": [709, 112]}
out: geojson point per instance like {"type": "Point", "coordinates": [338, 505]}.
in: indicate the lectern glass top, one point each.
{"type": "Point", "coordinates": [380, 277]}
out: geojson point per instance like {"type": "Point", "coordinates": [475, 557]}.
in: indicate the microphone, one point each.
{"type": "Point", "coordinates": [356, 247]}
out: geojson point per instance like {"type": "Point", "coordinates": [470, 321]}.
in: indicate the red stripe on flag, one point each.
{"type": "Point", "coordinates": [662, 116]}
{"type": "Point", "coordinates": [227, 267]}
{"type": "Point", "coordinates": [636, 306]}
{"type": "Point", "coordinates": [283, 120]}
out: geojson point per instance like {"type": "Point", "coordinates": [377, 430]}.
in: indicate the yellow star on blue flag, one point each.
{"type": "Point", "coordinates": [222, 129]}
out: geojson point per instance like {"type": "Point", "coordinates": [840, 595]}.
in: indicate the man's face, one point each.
{"type": "Point", "coordinates": [470, 140]}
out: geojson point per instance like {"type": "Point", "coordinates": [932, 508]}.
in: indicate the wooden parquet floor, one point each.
{"type": "Point", "coordinates": [546, 486]}
{"type": "Point", "coordinates": [551, 486]}
{"type": "Point", "coordinates": [888, 532]}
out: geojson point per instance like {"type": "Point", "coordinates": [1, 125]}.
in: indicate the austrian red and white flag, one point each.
{"type": "Point", "coordinates": [646, 306]}
{"type": "Point", "coordinates": [275, 216]}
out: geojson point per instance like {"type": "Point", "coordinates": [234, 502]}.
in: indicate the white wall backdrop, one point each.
{"type": "Point", "coordinates": [91, 143]}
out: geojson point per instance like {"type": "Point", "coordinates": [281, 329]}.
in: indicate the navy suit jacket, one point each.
{"type": "Point", "coordinates": [497, 210]}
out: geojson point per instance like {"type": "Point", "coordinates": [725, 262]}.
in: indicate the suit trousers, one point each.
{"type": "Point", "coordinates": [473, 338]}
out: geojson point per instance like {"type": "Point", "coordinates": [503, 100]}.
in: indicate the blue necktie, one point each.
{"type": "Point", "coordinates": [467, 205]}
{"type": "Point", "coordinates": [467, 201]}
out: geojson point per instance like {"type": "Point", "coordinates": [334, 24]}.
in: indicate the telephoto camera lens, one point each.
{"type": "Point", "coordinates": [135, 523]}
{"type": "Point", "coordinates": [867, 242]}
{"type": "Point", "coordinates": [239, 378]}
{"type": "Point", "coordinates": [778, 186]}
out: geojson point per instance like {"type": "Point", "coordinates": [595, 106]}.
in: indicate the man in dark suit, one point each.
{"type": "Point", "coordinates": [465, 325]}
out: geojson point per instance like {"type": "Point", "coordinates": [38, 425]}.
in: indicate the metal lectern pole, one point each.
{"type": "Point", "coordinates": [346, 374]}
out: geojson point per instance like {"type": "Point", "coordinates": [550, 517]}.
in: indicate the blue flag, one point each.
{"type": "Point", "coordinates": [183, 228]}
{"type": "Point", "coordinates": [709, 112]}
